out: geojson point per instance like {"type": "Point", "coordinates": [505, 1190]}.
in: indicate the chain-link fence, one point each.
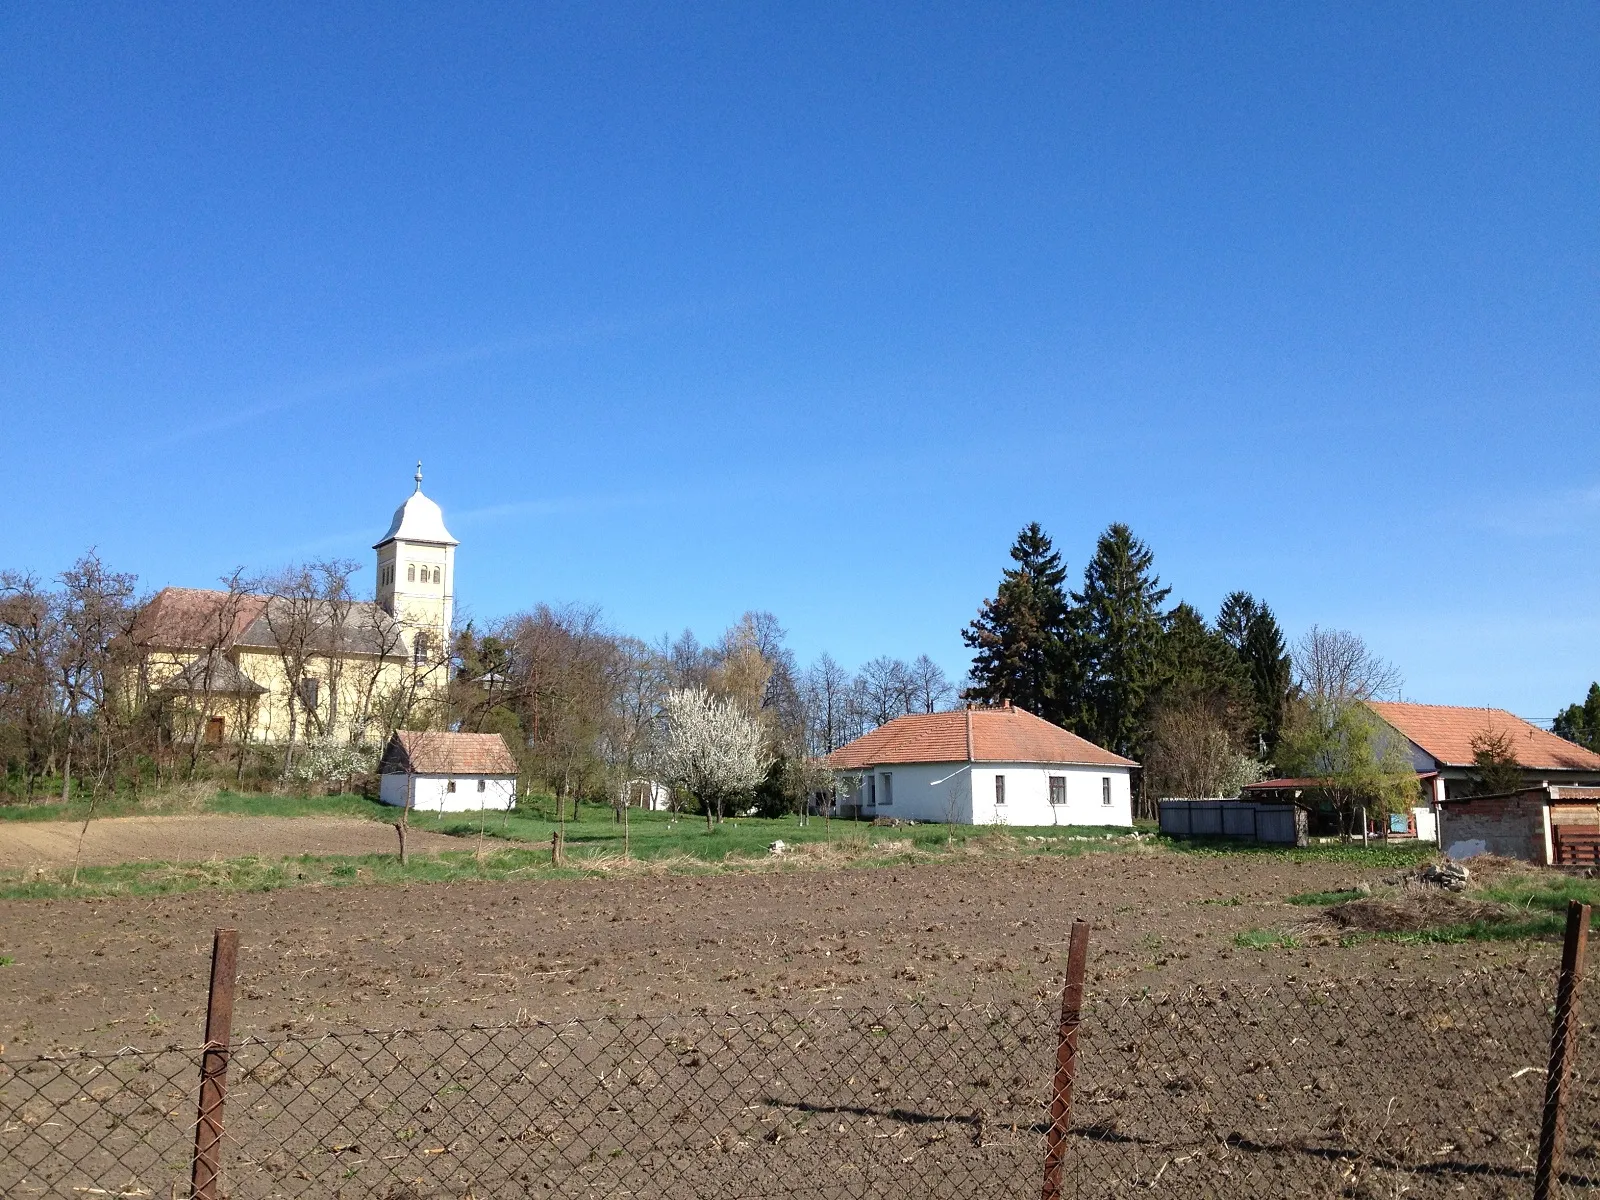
{"type": "Point", "coordinates": [1354, 1088]}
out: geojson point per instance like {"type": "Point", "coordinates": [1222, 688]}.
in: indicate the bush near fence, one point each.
{"type": "Point", "coordinates": [1360, 1087]}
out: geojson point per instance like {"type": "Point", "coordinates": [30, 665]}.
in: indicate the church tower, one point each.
{"type": "Point", "coordinates": [417, 574]}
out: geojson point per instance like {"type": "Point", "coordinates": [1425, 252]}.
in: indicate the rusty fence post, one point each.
{"type": "Point", "coordinates": [206, 1179]}
{"type": "Point", "coordinates": [1055, 1138]}
{"type": "Point", "coordinates": [1563, 1030]}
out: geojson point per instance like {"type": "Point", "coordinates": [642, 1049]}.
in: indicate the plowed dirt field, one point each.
{"type": "Point", "coordinates": [99, 974]}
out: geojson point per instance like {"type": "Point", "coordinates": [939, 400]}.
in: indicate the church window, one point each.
{"type": "Point", "coordinates": [419, 648]}
{"type": "Point", "coordinates": [436, 576]}
{"type": "Point", "coordinates": [310, 693]}
{"type": "Point", "coordinates": [411, 574]}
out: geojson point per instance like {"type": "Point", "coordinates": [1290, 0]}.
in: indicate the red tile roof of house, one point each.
{"type": "Point", "coordinates": [429, 753]}
{"type": "Point", "coordinates": [972, 735]}
{"type": "Point", "coordinates": [1446, 731]}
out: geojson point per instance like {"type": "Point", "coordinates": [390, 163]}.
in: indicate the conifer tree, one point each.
{"type": "Point", "coordinates": [1271, 676]}
{"type": "Point", "coordinates": [1580, 723]}
{"type": "Point", "coordinates": [1248, 625]}
{"type": "Point", "coordinates": [1118, 639]}
{"type": "Point", "coordinates": [1198, 662]}
{"type": "Point", "coordinates": [1019, 636]}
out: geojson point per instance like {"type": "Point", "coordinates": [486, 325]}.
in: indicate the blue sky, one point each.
{"type": "Point", "coordinates": [695, 309]}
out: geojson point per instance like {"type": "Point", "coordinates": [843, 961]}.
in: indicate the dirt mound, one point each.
{"type": "Point", "coordinates": [1413, 909]}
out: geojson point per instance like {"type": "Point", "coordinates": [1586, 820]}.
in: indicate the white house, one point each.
{"type": "Point", "coordinates": [447, 772]}
{"type": "Point", "coordinates": [985, 766]}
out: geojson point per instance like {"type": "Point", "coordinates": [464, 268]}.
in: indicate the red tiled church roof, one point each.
{"type": "Point", "coordinates": [1008, 734]}
{"type": "Point", "coordinates": [1446, 731]}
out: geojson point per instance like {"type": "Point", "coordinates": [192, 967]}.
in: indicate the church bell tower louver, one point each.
{"type": "Point", "coordinates": [416, 574]}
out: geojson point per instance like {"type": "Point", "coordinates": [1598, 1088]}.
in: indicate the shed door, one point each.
{"type": "Point", "coordinates": [1576, 844]}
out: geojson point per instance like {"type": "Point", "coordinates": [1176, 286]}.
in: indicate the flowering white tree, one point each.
{"type": "Point", "coordinates": [712, 747]}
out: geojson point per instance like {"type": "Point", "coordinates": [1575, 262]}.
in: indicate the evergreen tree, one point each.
{"type": "Point", "coordinates": [1580, 723]}
{"type": "Point", "coordinates": [1019, 636]}
{"type": "Point", "coordinates": [1248, 625]}
{"type": "Point", "coordinates": [1199, 663]}
{"type": "Point", "coordinates": [1271, 674]}
{"type": "Point", "coordinates": [1118, 638]}
{"type": "Point", "coordinates": [1233, 619]}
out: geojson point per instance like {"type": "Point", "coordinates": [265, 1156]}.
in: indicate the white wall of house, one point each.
{"type": "Point", "coordinates": [450, 793]}
{"type": "Point", "coordinates": [966, 794]}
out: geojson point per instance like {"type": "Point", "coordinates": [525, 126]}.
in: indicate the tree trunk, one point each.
{"type": "Point", "coordinates": [66, 781]}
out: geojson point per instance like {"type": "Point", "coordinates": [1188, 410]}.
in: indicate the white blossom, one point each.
{"type": "Point", "coordinates": [712, 746]}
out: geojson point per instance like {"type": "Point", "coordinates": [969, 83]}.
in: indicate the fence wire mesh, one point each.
{"type": "Point", "coordinates": [1355, 1088]}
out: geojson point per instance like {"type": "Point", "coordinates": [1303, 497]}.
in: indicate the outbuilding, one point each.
{"type": "Point", "coordinates": [447, 772]}
{"type": "Point", "coordinates": [984, 766]}
{"type": "Point", "coordinates": [1555, 826]}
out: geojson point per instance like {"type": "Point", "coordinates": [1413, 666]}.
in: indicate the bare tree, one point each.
{"type": "Point", "coordinates": [308, 613]}
{"type": "Point", "coordinates": [1336, 665]}
{"type": "Point", "coordinates": [826, 688]}
{"type": "Point", "coordinates": [883, 690]}
{"type": "Point", "coordinates": [1195, 751]}
{"type": "Point", "coordinates": [927, 686]}
{"type": "Point", "coordinates": [96, 615]}
{"type": "Point", "coordinates": [561, 679]}
{"type": "Point", "coordinates": [28, 617]}
{"type": "Point", "coordinates": [201, 682]}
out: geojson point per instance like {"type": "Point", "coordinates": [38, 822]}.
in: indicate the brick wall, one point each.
{"type": "Point", "coordinates": [1510, 826]}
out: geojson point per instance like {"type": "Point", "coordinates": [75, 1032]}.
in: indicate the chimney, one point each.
{"type": "Point", "coordinates": [1006, 704]}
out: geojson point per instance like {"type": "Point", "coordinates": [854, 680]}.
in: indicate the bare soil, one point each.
{"type": "Point", "coordinates": [906, 1044]}
{"type": "Point", "coordinates": [98, 974]}
{"type": "Point", "coordinates": [113, 840]}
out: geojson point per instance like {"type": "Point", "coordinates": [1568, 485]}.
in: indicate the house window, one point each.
{"type": "Point", "coordinates": [411, 573]}
{"type": "Point", "coordinates": [872, 791]}
{"type": "Point", "coordinates": [483, 785]}
{"type": "Point", "coordinates": [310, 693]}
{"type": "Point", "coordinates": [1105, 790]}
{"type": "Point", "coordinates": [999, 789]}
{"type": "Point", "coordinates": [450, 786]}
{"type": "Point", "coordinates": [1058, 789]}
{"type": "Point", "coordinates": [214, 730]}
{"type": "Point", "coordinates": [888, 789]}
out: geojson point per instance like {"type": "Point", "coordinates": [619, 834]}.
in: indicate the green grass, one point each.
{"type": "Point", "coordinates": [6, 960]}
{"type": "Point", "coordinates": [1547, 893]}
{"type": "Point", "coordinates": [516, 845]}
{"type": "Point", "coordinates": [1471, 931]}
{"type": "Point", "coordinates": [1264, 939]}
{"type": "Point", "coordinates": [1377, 855]}
{"type": "Point", "coordinates": [1324, 899]}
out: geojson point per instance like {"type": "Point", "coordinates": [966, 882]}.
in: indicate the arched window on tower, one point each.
{"type": "Point", "coordinates": [421, 649]}
{"type": "Point", "coordinates": [411, 574]}
{"type": "Point", "coordinates": [436, 575]}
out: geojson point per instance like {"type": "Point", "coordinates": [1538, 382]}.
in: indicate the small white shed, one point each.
{"type": "Point", "coordinates": [447, 772]}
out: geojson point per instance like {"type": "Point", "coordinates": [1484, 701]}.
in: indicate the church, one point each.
{"type": "Point", "coordinates": [301, 659]}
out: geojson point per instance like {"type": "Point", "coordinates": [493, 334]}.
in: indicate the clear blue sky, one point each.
{"type": "Point", "coordinates": [694, 309]}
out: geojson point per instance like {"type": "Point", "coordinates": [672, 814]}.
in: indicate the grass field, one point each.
{"type": "Point", "coordinates": [497, 846]}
